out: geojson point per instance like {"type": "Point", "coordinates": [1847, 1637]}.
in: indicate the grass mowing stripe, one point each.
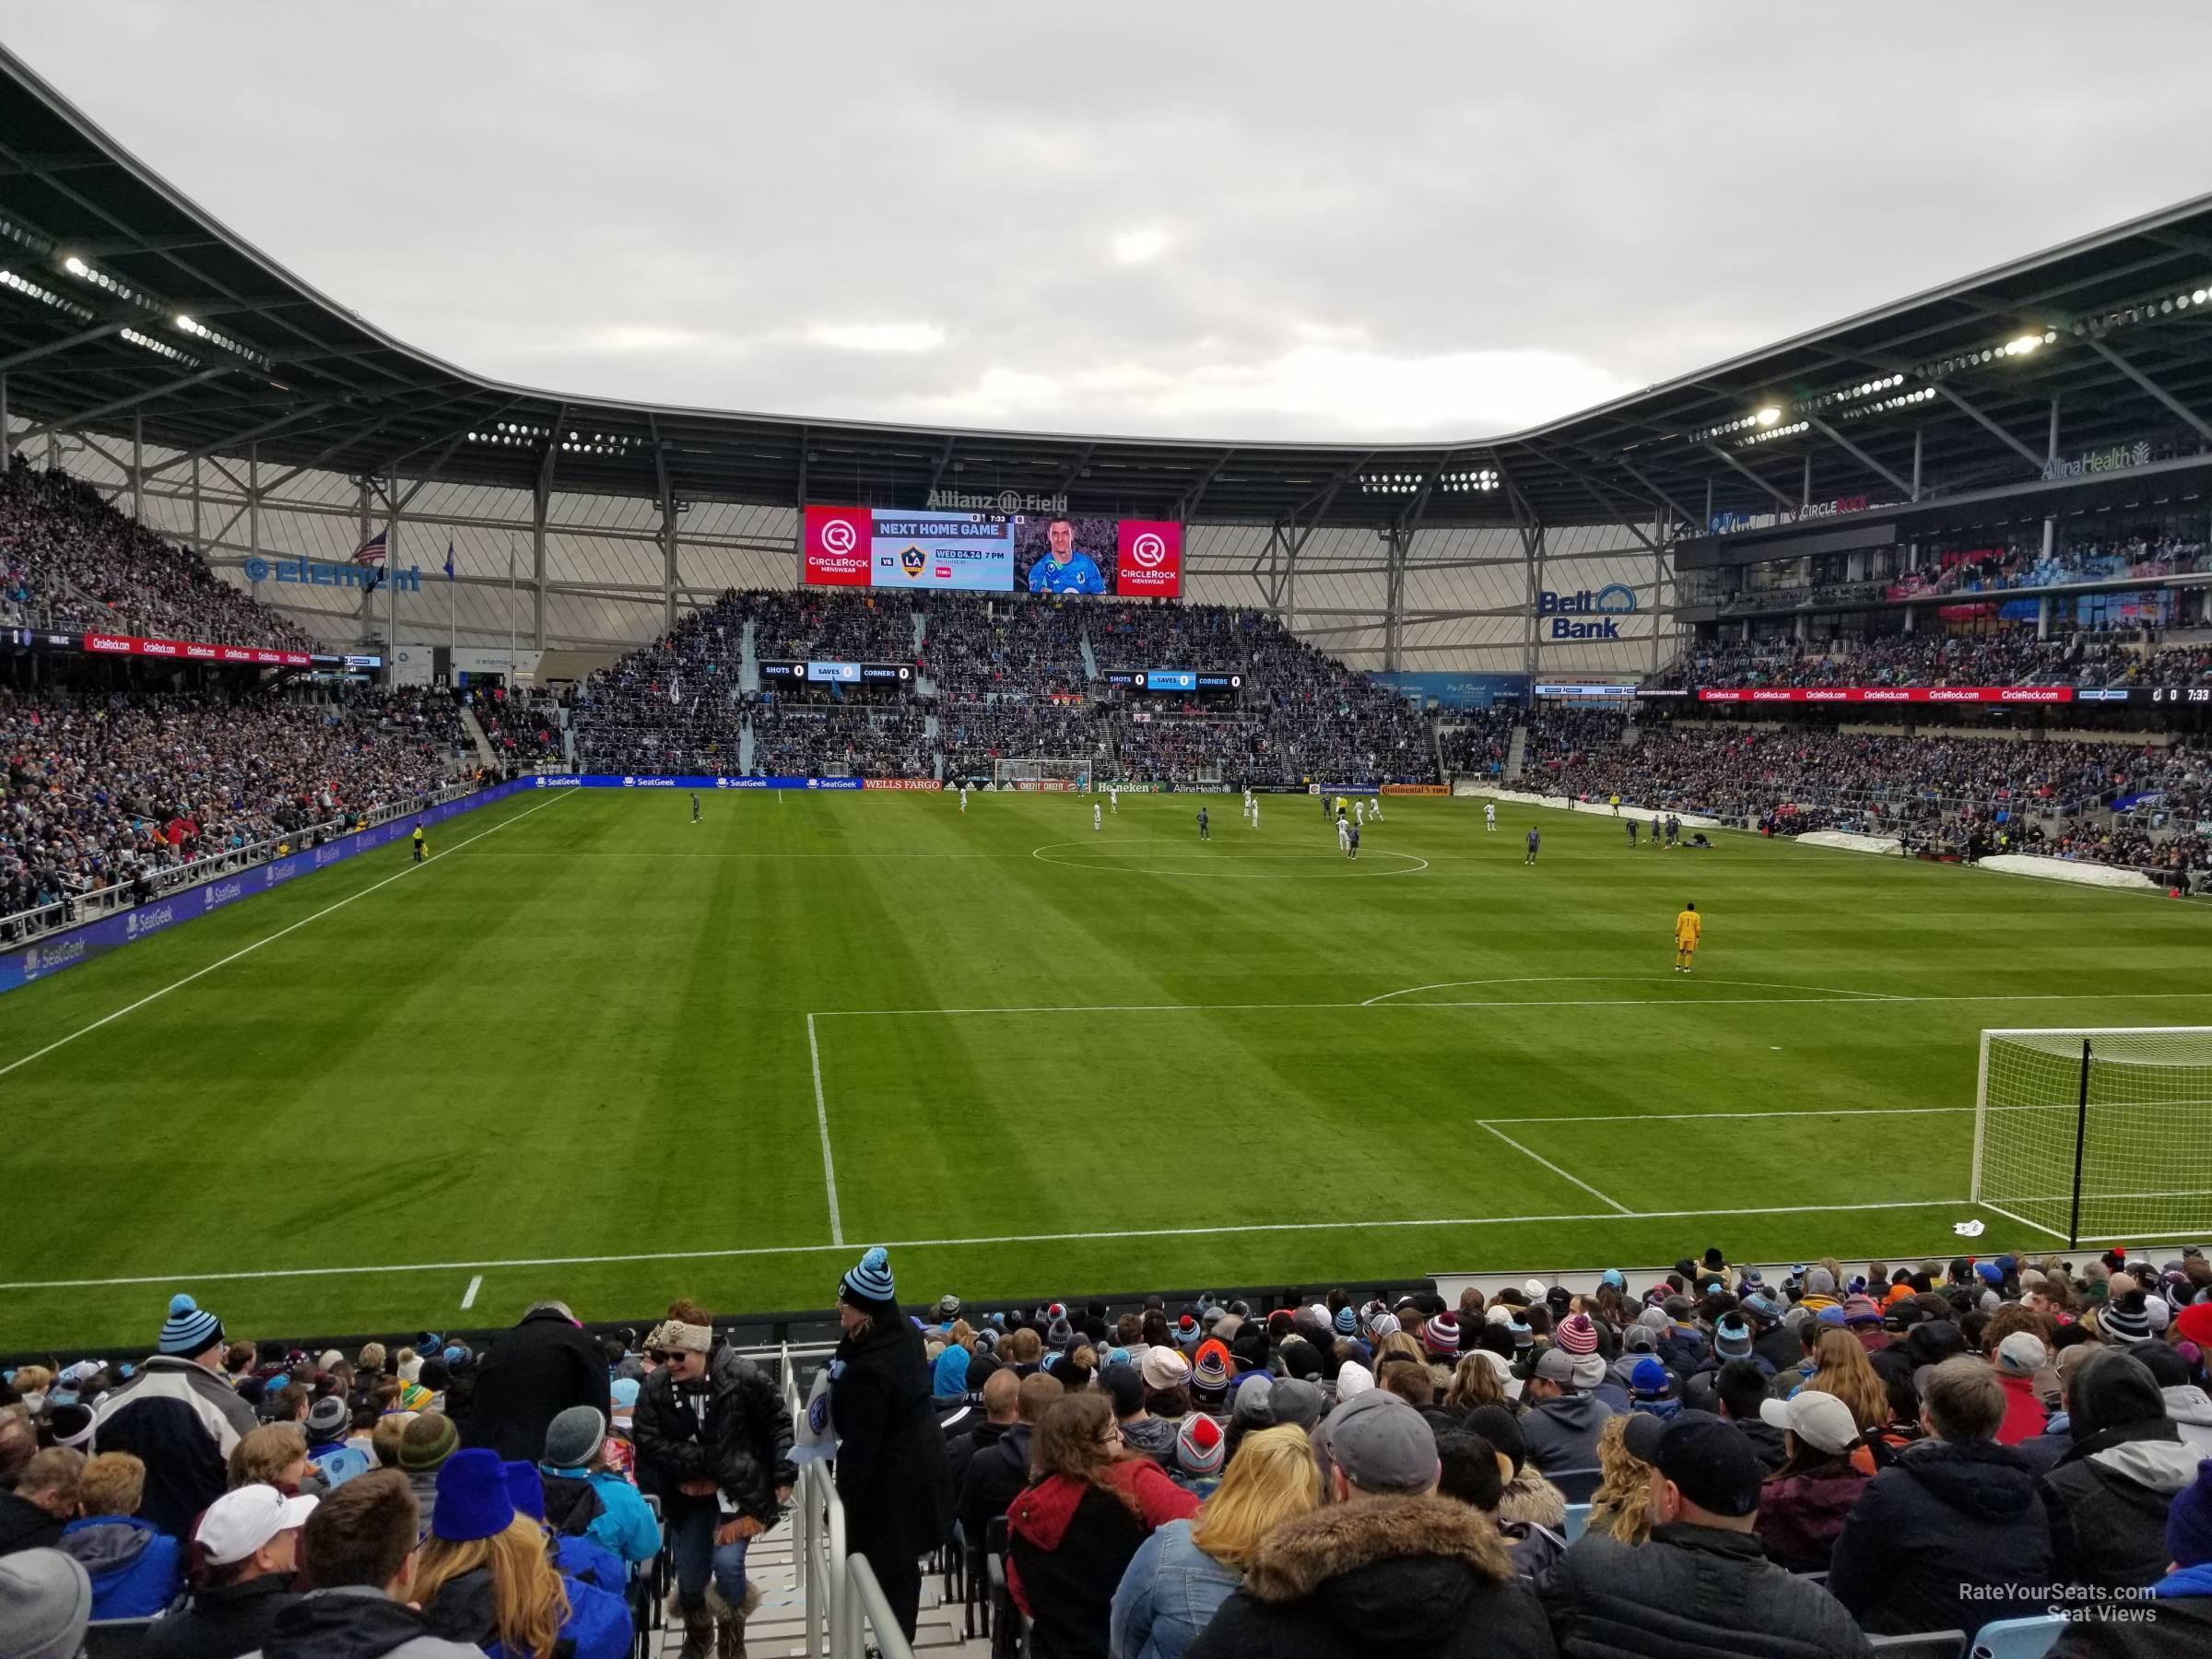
{"type": "Point", "coordinates": [269, 939]}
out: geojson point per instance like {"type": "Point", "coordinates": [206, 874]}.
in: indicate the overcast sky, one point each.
{"type": "Point", "coordinates": [1193, 219]}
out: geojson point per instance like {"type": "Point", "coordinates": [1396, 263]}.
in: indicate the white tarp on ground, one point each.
{"type": "Point", "coordinates": [2065, 869]}
{"type": "Point", "coordinates": [1523, 797]}
{"type": "Point", "coordinates": [1889, 846]}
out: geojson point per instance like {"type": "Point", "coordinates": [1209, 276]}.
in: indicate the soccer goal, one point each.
{"type": "Point", "coordinates": [2090, 1133]}
{"type": "Point", "coordinates": [1040, 774]}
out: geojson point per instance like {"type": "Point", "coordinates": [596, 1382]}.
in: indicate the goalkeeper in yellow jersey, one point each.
{"type": "Point", "coordinates": [1689, 925]}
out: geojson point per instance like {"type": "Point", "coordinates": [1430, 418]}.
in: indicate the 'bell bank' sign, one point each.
{"type": "Point", "coordinates": [1603, 610]}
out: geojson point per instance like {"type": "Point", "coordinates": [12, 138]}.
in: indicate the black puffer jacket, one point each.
{"type": "Point", "coordinates": [892, 1473]}
{"type": "Point", "coordinates": [2109, 1498]}
{"type": "Point", "coordinates": [743, 1444]}
{"type": "Point", "coordinates": [1690, 1591]}
{"type": "Point", "coordinates": [1944, 1522]}
{"type": "Point", "coordinates": [1409, 1576]}
{"type": "Point", "coordinates": [535, 1372]}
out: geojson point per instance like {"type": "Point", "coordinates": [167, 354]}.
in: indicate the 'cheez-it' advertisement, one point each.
{"type": "Point", "coordinates": [1150, 558]}
{"type": "Point", "coordinates": [837, 546]}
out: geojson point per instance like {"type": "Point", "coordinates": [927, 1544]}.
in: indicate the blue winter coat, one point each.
{"type": "Point", "coordinates": [135, 1571]}
{"type": "Point", "coordinates": [624, 1524]}
{"type": "Point", "coordinates": [1169, 1591]}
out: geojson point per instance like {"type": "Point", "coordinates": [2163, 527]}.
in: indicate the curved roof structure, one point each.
{"type": "Point", "coordinates": [125, 307]}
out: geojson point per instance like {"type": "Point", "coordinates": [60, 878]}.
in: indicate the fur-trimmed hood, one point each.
{"type": "Point", "coordinates": [1296, 1560]}
{"type": "Point", "coordinates": [1529, 1497]}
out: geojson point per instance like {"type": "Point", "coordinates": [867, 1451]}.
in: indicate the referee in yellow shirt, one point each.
{"type": "Point", "coordinates": [1688, 927]}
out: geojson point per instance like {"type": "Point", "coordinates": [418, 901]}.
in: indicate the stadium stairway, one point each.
{"type": "Point", "coordinates": [1516, 753]}
{"type": "Point", "coordinates": [482, 744]}
{"type": "Point", "coordinates": [778, 1630]}
{"type": "Point", "coordinates": [748, 662]}
{"type": "Point", "coordinates": [745, 744]}
{"type": "Point", "coordinates": [1090, 660]}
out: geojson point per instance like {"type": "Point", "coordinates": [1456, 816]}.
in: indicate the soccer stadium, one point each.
{"type": "Point", "coordinates": [1595, 1041]}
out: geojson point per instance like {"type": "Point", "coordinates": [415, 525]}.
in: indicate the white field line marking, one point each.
{"type": "Point", "coordinates": [1555, 1169]}
{"type": "Point", "coordinates": [821, 1122]}
{"type": "Point", "coordinates": [1603, 979]}
{"type": "Point", "coordinates": [405, 870]}
{"type": "Point", "coordinates": [468, 1296]}
{"type": "Point", "coordinates": [1066, 1238]}
{"type": "Point", "coordinates": [2023, 1220]}
{"type": "Point", "coordinates": [1855, 998]}
{"type": "Point", "coordinates": [1414, 868]}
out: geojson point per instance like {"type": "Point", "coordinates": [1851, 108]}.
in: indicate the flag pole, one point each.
{"type": "Point", "coordinates": [510, 613]}
{"type": "Point", "coordinates": [451, 582]}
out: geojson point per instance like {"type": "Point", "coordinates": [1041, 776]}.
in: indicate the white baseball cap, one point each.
{"type": "Point", "coordinates": [1819, 1420]}
{"type": "Point", "coordinates": [239, 1523]}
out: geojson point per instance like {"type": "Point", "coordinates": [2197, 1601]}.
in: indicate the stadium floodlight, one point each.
{"type": "Point", "coordinates": [1769, 415]}
{"type": "Point", "coordinates": [2062, 1118]}
{"type": "Point", "coordinates": [76, 266]}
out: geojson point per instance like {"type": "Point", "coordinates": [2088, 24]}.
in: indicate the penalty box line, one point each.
{"type": "Point", "coordinates": [755, 1251]}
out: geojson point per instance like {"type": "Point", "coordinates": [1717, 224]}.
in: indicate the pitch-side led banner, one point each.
{"type": "Point", "coordinates": [191, 651]}
{"type": "Point", "coordinates": [999, 553]}
{"type": "Point", "coordinates": [1889, 694]}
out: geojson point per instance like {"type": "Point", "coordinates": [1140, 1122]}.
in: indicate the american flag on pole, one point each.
{"type": "Point", "coordinates": [371, 552]}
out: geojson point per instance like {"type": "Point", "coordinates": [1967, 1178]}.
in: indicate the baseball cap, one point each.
{"type": "Point", "coordinates": [2022, 1354]}
{"type": "Point", "coordinates": [1383, 1444]}
{"type": "Point", "coordinates": [1819, 1420]}
{"type": "Point", "coordinates": [1710, 1460]}
{"type": "Point", "coordinates": [1557, 1365]}
{"type": "Point", "coordinates": [240, 1522]}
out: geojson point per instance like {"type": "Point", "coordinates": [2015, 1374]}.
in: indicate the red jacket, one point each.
{"type": "Point", "coordinates": [1068, 1544]}
{"type": "Point", "coordinates": [2024, 1415]}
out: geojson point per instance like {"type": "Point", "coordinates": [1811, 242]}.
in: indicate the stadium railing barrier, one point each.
{"type": "Point", "coordinates": [818, 1520]}
{"type": "Point", "coordinates": [869, 1625]}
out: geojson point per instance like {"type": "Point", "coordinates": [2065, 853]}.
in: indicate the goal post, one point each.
{"type": "Point", "coordinates": [2095, 1133]}
{"type": "Point", "coordinates": [1037, 772]}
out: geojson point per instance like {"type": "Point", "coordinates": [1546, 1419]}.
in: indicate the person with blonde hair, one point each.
{"type": "Point", "coordinates": [135, 1571]}
{"type": "Point", "coordinates": [483, 1575]}
{"type": "Point", "coordinates": [1186, 1570]}
{"type": "Point", "coordinates": [274, 1455]}
{"type": "Point", "coordinates": [1621, 1506]}
{"type": "Point", "coordinates": [1841, 1368]}
{"type": "Point", "coordinates": [1476, 1382]}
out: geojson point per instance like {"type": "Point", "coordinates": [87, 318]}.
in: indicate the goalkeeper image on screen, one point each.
{"type": "Point", "coordinates": [1064, 569]}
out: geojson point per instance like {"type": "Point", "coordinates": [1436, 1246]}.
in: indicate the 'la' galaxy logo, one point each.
{"type": "Point", "coordinates": [913, 561]}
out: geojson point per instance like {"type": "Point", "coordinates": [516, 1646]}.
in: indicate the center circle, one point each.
{"type": "Point", "coordinates": [1194, 863]}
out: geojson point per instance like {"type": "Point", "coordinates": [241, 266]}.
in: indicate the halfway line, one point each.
{"type": "Point", "coordinates": [201, 974]}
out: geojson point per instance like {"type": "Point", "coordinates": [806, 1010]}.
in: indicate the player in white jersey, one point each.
{"type": "Point", "coordinates": [963, 797]}
{"type": "Point", "coordinates": [1113, 796]}
{"type": "Point", "coordinates": [1359, 810]}
{"type": "Point", "coordinates": [1374, 809]}
{"type": "Point", "coordinates": [1255, 814]}
{"type": "Point", "coordinates": [1490, 815]}
{"type": "Point", "coordinates": [1344, 835]}
{"type": "Point", "coordinates": [1097, 816]}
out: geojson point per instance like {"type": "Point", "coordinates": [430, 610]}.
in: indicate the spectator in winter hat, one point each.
{"type": "Point", "coordinates": [2124, 1319]}
{"type": "Point", "coordinates": [1440, 1335]}
{"type": "Point", "coordinates": [1347, 1322]}
{"type": "Point", "coordinates": [1209, 1376]}
{"type": "Point", "coordinates": [575, 1479]}
{"type": "Point", "coordinates": [891, 1469]}
{"type": "Point", "coordinates": [1651, 1390]}
{"type": "Point", "coordinates": [2178, 1615]}
{"type": "Point", "coordinates": [45, 1602]}
{"type": "Point", "coordinates": [1577, 1333]}
{"type": "Point", "coordinates": [2108, 1494]}
{"type": "Point", "coordinates": [329, 1423]}
{"type": "Point", "coordinates": [1201, 1447]}
{"type": "Point", "coordinates": [180, 1416]}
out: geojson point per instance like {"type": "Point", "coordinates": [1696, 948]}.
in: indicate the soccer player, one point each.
{"type": "Point", "coordinates": [422, 845]}
{"type": "Point", "coordinates": [1344, 833]}
{"type": "Point", "coordinates": [1489, 818]}
{"type": "Point", "coordinates": [1065, 570]}
{"type": "Point", "coordinates": [1341, 806]}
{"type": "Point", "coordinates": [695, 805]}
{"type": "Point", "coordinates": [1097, 816]}
{"type": "Point", "coordinates": [1255, 813]}
{"type": "Point", "coordinates": [1674, 829]}
{"type": "Point", "coordinates": [1657, 826]}
{"type": "Point", "coordinates": [1688, 927]}
{"type": "Point", "coordinates": [1205, 829]}
{"type": "Point", "coordinates": [963, 797]}
{"type": "Point", "coordinates": [1358, 812]}
{"type": "Point", "coordinates": [1374, 809]}
{"type": "Point", "coordinates": [1113, 797]}
{"type": "Point", "coordinates": [1355, 847]}
{"type": "Point", "coordinates": [1632, 832]}
{"type": "Point", "coordinates": [1616, 800]}
{"type": "Point", "coordinates": [1534, 841]}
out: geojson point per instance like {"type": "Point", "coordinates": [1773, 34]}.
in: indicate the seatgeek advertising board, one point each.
{"type": "Point", "coordinates": [992, 553]}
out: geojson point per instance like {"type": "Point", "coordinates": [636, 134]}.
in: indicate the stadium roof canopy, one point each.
{"type": "Point", "coordinates": [125, 308]}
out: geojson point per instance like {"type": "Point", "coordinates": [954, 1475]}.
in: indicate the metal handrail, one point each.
{"type": "Point", "coordinates": [173, 878]}
{"type": "Point", "coordinates": [817, 1539]}
{"type": "Point", "coordinates": [867, 1612]}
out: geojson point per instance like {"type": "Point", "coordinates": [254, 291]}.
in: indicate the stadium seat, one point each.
{"type": "Point", "coordinates": [1578, 1485]}
{"type": "Point", "coordinates": [1577, 1522]}
{"type": "Point", "coordinates": [2019, 1638]}
{"type": "Point", "coordinates": [1927, 1644]}
{"type": "Point", "coordinates": [115, 1638]}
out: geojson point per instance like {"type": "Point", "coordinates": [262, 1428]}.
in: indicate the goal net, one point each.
{"type": "Point", "coordinates": [1040, 774]}
{"type": "Point", "coordinates": [2088, 1134]}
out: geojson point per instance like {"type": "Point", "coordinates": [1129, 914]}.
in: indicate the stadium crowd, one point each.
{"type": "Point", "coordinates": [112, 788]}
{"type": "Point", "coordinates": [1715, 1461]}
{"type": "Point", "coordinates": [69, 561]}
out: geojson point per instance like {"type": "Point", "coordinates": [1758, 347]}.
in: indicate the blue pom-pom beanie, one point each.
{"type": "Point", "coordinates": [190, 1329]}
{"type": "Point", "coordinates": [868, 1287]}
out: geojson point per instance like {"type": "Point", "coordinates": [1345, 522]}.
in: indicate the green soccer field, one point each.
{"type": "Point", "coordinates": [596, 1050]}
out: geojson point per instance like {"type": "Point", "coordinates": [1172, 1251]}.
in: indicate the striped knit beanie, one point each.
{"type": "Point", "coordinates": [2126, 1319]}
{"type": "Point", "coordinates": [868, 1287]}
{"type": "Point", "coordinates": [1578, 1334]}
{"type": "Point", "coordinates": [190, 1329]}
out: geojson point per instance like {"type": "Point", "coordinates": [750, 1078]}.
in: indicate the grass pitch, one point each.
{"type": "Point", "coordinates": [594, 1050]}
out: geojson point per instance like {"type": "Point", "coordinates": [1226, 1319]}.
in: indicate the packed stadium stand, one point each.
{"type": "Point", "coordinates": [1868, 1452]}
